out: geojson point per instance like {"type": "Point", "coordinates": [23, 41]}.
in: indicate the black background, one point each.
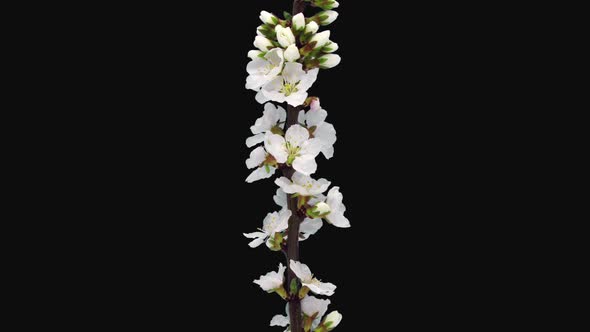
{"type": "Point", "coordinates": [174, 204]}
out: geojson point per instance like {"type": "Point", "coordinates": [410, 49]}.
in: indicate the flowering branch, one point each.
{"type": "Point", "coordinates": [290, 54]}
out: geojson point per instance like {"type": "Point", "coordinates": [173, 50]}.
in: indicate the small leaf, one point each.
{"type": "Point", "coordinates": [287, 16]}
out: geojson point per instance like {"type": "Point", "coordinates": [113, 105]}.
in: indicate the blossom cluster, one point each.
{"type": "Point", "coordinates": [290, 52]}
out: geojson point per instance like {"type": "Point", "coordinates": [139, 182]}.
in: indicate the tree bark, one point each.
{"type": "Point", "coordinates": [295, 220]}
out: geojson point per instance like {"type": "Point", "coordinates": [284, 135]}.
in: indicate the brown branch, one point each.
{"type": "Point", "coordinates": [295, 220]}
{"type": "Point", "coordinates": [293, 235]}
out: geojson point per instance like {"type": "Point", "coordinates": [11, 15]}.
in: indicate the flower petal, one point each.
{"type": "Point", "coordinates": [257, 157]}
{"type": "Point", "coordinates": [260, 173]}
{"type": "Point", "coordinates": [305, 164]}
{"type": "Point", "coordinates": [253, 140]}
{"type": "Point", "coordinates": [275, 145]}
{"type": "Point", "coordinates": [280, 320]}
{"type": "Point", "coordinates": [302, 271]}
{"type": "Point", "coordinates": [296, 135]}
{"type": "Point", "coordinates": [321, 288]}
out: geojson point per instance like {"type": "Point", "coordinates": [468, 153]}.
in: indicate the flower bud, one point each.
{"type": "Point", "coordinates": [325, 4]}
{"type": "Point", "coordinates": [330, 47]}
{"type": "Point", "coordinates": [266, 30]}
{"type": "Point", "coordinates": [285, 36]}
{"type": "Point", "coordinates": [332, 320]}
{"type": "Point", "coordinates": [262, 43]}
{"type": "Point", "coordinates": [292, 53]}
{"type": "Point", "coordinates": [319, 210]}
{"type": "Point", "coordinates": [329, 61]}
{"type": "Point", "coordinates": [255, 54]}
{"type": "Point", "coordinates": [327, 17]}
{"type": "Point", "coordinates": [321, 39]}
{"type": "Point", "coordinates": [299, 22]}
{"type": "Point", "coordinates": [311, 28]}
{"type": "Point", "coordinates": [268, 18]}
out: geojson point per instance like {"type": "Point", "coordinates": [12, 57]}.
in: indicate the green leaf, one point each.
{"type": "Point", "coordinates": [287, 16]}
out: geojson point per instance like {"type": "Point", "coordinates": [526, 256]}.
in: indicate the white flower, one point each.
{"type": "Point", "coordinates": [311, 28]}
{"type": "Point", "coordinates": [280, 198]}
{"type": "Point", "coordinates": [291, 86]}
{"type": "Point", "coordinates": [254, 54]}
{"type": "Point", "coordinates": [257, 158]}
{"type": "Point", "coordinates": [280, 320]}
{"type": "Point", "coordinates": [314, 119]}
{"type": "Point", "coordinates": [272, 280]}
{"type": "Point", "coordinates": [273, 223]}
{"type": "Point", "coordinates": [336, 216]}
{"type": "Point", "coordinates": [294, 149]}
{"type": "Point", "coordinates": [330, 47]}
{"type": "Point", "coordinates": [322, 208]}
{"type": "Point", "coordinates": [311, 305]}
{"type": "Point", "coordinates": [309, 227]}
{"type": "Point", "coordinates": [299, 22]}
{"type": "Point", "coordinates": [272, 116]}
{"type": "Point", "coordinates": [285, 36]}
{"type": "Point", "coordinates": [327, 17]}
{"type": "Point", "coordinates": [332, 320]}
{"type": "Point", "coordinates": [303, 185]}
{"type": "Point", "coordinates": [268, 18]}
{"type": "Point", "coordinates": [264, 70]}
{"type": "Point", "coordinates": [329, 61]}
{"type": "Point", "coordinates": [321, 39]}
{"type": "Point", "coordinates": [262, 43]}
{"type": "Point", "coordinates": [292, 53]}
{"type": "Point", "coordinates": [303, 272]}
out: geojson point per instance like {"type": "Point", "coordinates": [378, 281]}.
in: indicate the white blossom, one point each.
{"type": "Point", "coordinates": [271, 117]}
{"type": "Point", "coordinates": [255, 54]}
{"type": "Point", "coordinates": [327, 17]}
{"type": "Point", "coordinates": [291, 86]}
{"type": "Point", "coordinates": [329, 61]}
{"type": "Point", "coordinates": [321, 39]}
{"type": "Point", "coordinates": [285, 36]}
{"type": "Point", "coordinates": [257, 158]}
{"type": "Point", "coordinates": [322, 208]}
{"type": "Point", "coordinates": [272, 280]}
{"type": "Point", "coordinates": [311, 28]}
{"type": "Point", "coordinates": [302, 184]}
{"type": "Point", "coordinates": [295, 149]}
{"type": "Point", "coordinates": [336, 216]}
{"type": "Point", "coordinates": [311, 305]}
{"type": "Point", "coordinates": [332, 320]}
{"type": "Point", "coordinates": [292, 53]}
{"type": "Point", "coordinates": [280, 198]}
{"type": "Point", "coordinates": [273, 223]}
{"type": "Point", "coordinates": [330, 47]}
{"type": "Point", "coordinates": [304, 274]}
{"type": "Point", "coordinates": [280, 320]}
{"type": "Point", "coordinates": [298, 22]}
{"type": "Point", "coordinates": [268, 18]}
{"type": "Point", "coordinates": [264, 70]}
{"type": "Point", "coordinates": [262, 43]}
{"type": "Point", "coordinates": [322, 130]}
{"type": "Point", "coordinates": [308, 227]}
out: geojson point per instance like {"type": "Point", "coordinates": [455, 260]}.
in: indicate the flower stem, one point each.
{"type": "Point", "coordinates": [293, 236]}
{"type": "Point", "coordinates": [295, 220]}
